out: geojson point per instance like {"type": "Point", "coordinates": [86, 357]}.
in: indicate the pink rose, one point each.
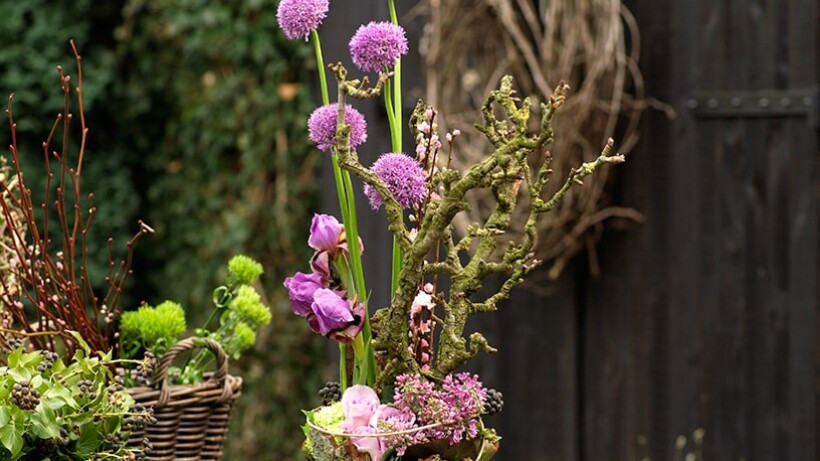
{"type": "Point", "coordinates": [359, 403]}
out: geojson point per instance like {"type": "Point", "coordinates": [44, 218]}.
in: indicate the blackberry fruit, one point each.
{"type": "Point", "coordinates": [330, 392]}
{"type": "Point", "coordinates": [24, 396]}
{"type": "Point", "coordinates": [494, 402]}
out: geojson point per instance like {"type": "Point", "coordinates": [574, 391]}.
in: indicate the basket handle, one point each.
{"type": "Point", "coordinates": [219, 376]}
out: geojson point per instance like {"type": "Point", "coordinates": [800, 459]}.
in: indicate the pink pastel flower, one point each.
{"type": "Point", "coordinates": [358, 403]}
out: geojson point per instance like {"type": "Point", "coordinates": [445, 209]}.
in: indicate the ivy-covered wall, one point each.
{"type": "Point", "coordinates": [195, 118]}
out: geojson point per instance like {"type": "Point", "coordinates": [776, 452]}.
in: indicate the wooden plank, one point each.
{"type": "Point", "coordinates": [686, 250]}
{"type": "Point", "coordinates": [535, 369]}
{"type": "Point", "coordinates": [802, 36]}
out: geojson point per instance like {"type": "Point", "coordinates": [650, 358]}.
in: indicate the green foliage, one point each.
{"type": "Point", "coordinates": [52, 410]}
{"type": "Point", "coordinates": [153, 329]}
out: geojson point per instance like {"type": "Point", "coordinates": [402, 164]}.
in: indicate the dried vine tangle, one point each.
{"type": "Point", "coordinates": [594, 45]}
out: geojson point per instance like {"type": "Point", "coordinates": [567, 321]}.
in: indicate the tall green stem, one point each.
{"type": "Point", "coordinates": [397, 106]}
{"type": "Point", "coordinates": [320, 63]}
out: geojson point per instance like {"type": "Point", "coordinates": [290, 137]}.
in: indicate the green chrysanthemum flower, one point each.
{"type": "Point", "coordinates": [248, 306]}
{"type": "Point", "coordinates": [243, 270]}
{"type": "Point", "coordinates": [245, 336]}
{"type": "Point", "coordinates": [154, 328]}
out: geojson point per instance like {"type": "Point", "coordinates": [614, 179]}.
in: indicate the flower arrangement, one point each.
{"type": "Point", "coordinates": [400, 395]}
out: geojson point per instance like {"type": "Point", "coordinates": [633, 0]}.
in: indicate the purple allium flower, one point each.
{"type": "Point", "coordinates": [322, 126]}
{"type": "Point", "coordinates": [377, 45]}
{"type": "Point", "coordinates": [404, 177]}
{"type": "Point", "coordinates": [301, 288]}
{"type": "Point", "coordinates": [298, 18]}
{"type": "Point", "coordinates": [325, 233]}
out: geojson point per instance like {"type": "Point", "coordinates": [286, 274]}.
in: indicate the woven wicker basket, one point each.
{"type": "Point", "coordinates": [192, 420]}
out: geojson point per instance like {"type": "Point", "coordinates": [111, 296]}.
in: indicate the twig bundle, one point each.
{"type": "Point", "coordinates": [593, 45]}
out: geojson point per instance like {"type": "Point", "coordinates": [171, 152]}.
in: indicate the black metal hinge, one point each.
{"type": "Point", "coordinates": [760, 103]}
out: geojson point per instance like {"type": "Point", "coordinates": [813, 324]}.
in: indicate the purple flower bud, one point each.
{"type": "Point", "coordinates": [377, 45]}
{"type": "Point", "coordinates": [320, 263]}
{"type": "Point", "coordinates": [403, 176]}
{"type": "Point", "coordinates": [301, 288]}
{"type": "Point", "coordinates": [325, 231]}
{"type": "Point", "coordinates": [322, 126]}
{"type": "Point", "coordinates": [298, 18]}
{"type": "Point", "coordinates": [332, 312]}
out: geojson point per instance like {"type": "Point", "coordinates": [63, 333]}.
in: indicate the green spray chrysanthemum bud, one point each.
{"type": "Point", "coordinates": [245, 336]}
{"type": "Point", "coordinates": [248, 306]}
{"type": "Point", "coordinates": [243, 270]}
{"type": "Point", "coordinates": [154, 328]}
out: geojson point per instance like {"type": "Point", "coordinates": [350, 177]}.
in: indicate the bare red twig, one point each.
{"type": "Point", "coordinates": [54, 292]}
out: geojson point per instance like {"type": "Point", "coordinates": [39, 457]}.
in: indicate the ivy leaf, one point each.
{"type": "Point", "coordinates": [11, 432]}
{"type": "Point", "coordinates": [44, 423]}
{"type": "Point", "coordinates": [89, 440]}
{"type": "Point", "coordinates": [81, 342]}
{"type": "Point", "coordinates": [14, 358]}
{"type": "Point", "coordinates": [61, 396]}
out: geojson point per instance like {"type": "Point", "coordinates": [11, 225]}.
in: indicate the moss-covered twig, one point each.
{"type": "Point", "coordinates": [517, 160]}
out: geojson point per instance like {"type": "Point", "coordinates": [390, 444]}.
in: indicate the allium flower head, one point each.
{"type": "Point", "coordinates": [377, 45]}
{"type": "Point", "coordinates": [404, 177]}
{"type": "Point", "coordinates": [322, 126]}
{"type": "Point", "coordinates": [298, 18]}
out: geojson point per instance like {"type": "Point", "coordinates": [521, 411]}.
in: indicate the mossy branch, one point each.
{"type": "Point", "coordinates": [518, 159]}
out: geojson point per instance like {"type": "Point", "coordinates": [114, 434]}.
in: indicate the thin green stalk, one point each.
{"type": "Point", "coordinates": [340, 188]}
{"type": "Point", "coordinates": [360, 367]}
{"type": "Point", "coordinates": [343, 367]}
{"type": "Point", "coordinates": [397, 103]}
{"type": "Point", "coordinates": [352, 231]}
{"type": "Point", "coordinates": [391, 119]}
{"type": "Point", "coordinates": [320, 63]}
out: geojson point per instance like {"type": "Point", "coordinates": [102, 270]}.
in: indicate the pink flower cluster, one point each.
{"type": "Point", "coordinates": [318, 296]}
{"type": "Point", "coordinates": [403, 176]}
{"type": "Point", "coordinates": [366, 416]}
{"type": "Point", "coordinates": [420, 331]}
{"type": "Point", "coordinates": [457, 403]}
{"type": "Point", "coordinates": [451, 409]}
{"type": "Point", "coordinates": [322, 126]}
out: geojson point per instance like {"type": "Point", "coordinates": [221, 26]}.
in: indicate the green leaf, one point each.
{"type": "Point", "coordinates": [44, 423]}
{"type": "Point", "coordinates": [79, 338]}
{"type": "Point", "coordinates": [14, 358]}
{"type": "Point", "coordinates": [89, 440]}
{"type": "Point", "coordinates": [20, 374]}
{"type": "Point", "coordinates": [62, 395]}
{"type": "Point", "coordinates": [11, 432]}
